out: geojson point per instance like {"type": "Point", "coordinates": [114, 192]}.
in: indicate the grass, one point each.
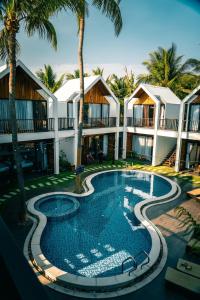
{"type": "Point", "coordinates": [65, 179]}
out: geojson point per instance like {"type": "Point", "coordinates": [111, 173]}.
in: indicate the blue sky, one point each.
{"type": "Point", "coordinates": [147, 25]}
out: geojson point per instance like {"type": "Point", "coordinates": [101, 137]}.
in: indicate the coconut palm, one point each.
{"type": "Point", "coordinates": [98, 71]}
{"type": "Point", "coordinates": [34, 17]}
{"type": "Point", "coordinates": [112, 10]}
{"type": "Point", "coordinates": [75, 75]}
{"type": "Point", "coordinates": [195, 64]}
{"type": "Point", "coordinates": [166, 68]}
{"type": "Point", "coordinates": [122, 87]}
{"type": "Point", "coordinates": [49, 78]}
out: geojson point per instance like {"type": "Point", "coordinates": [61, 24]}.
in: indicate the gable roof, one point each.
{"type": "Point", "coordinates": [4, 70]}
{"type": "Point", "coordinates": [70, 91]}
{"type": "Point", "coordinates": [193, 93]}
{"type": "Point", "coordinates": [157, 93]}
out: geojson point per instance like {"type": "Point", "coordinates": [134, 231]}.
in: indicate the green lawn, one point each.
{"type": "Point", "coordinates": [65, 179]}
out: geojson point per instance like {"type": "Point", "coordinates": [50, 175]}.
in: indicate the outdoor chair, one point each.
{"type": "Point", "coordinates": [194, 193]}
{"type": "Point", "coordinates": [183, 280]}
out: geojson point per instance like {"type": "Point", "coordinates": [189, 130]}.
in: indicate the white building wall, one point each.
{"type": "Point", "coordinates": [67, 146]}
{"type": "Point", "coordinates": [164, 146]}
{"type": "Point", "coordinates": [172, 111]}
{"type": "Point", "coordinates": [62, 109]}
{"type": "Point", "coordinates": [129, 108]}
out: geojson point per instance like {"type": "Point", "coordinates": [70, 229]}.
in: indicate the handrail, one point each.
{"type": "Point", "coordinates": [148, 258]}
{"type": "Point", "coordinates": [134, 264]}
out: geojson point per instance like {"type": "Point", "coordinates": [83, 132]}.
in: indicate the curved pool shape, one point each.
{"type": "Point", "coordinates": [104, 231]}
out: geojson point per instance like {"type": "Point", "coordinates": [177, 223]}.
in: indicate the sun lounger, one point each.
{"type": "Point", "coordinates": [183, 280]}
{"type": "Point", "coordinates": [194, 193]}
{"type": "Point", "coordinates": [188, 267]}
{"type": "Point", "coordinates": [193, 245]}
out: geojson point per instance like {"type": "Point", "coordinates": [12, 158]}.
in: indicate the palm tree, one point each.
{"type": "Point", "coordinates": [34, 17]}
{"type": "Point", "coordinates": [98, 71]}
{"type": "Point", "coordinates": [195, 64]}
{"type": "Point", "coordinates": [49, 78]}
{"type": "Point", "coordinates": [166, 68]}
{"type": "Point", "coordinates": [75, 75]}
{"type": "Point", "coordinates": [122, 87]}
{"type": "Point", "coordinates": [112, 10]}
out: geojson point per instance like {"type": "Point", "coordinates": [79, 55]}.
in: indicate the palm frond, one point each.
{"type": "Point", "coordinates": [111, 9]}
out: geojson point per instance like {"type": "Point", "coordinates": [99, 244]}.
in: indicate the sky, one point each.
{"type": "Point", "coordinates": [147, 24]}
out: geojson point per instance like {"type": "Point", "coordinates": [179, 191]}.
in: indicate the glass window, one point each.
{"type": "Point", "coordinates": [70, 110]}
{"type": "Point", "coordinates": [105, 111]}
{"type": "Point", "coordinates": [94, 111]}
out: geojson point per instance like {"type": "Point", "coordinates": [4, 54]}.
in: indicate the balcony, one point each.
{"type": "Point", "coordinates": [99, 122]}
{"type": "Point", "coordinates": [168, 124]}
{"type": "Point", "coordinates": [145, 122]}
{"type": "Point", "coordinates": [65, 123]}
{"type": "Point", "coordinates": [27, 125]}
{"type": "Point", "coordinates": [192, 126]}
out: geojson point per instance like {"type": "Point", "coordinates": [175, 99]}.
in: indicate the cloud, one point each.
{"type": "Point", "coordinates": [117, 69]}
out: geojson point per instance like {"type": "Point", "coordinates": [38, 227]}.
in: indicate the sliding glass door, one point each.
{"type": "Point", "coordinates": [142, 145]}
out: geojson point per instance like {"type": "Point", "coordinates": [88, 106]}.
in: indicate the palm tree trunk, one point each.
{"type": "Point", "coordinates": [81, 103]}
{"type": "Point", "coordinates": [13, 122]}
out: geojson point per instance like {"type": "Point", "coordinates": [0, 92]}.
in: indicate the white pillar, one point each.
{"type": "Point", "coordinates": [75, 115]}
{"type": "Point", "coordinates": [155, 141]}
{"type": "Point", "coordinates": [125, 130]}
{"type": "Point", "coordinates": [179, 138]}
{"type": "Point", "coordinates": [117, 144]}
{"type": "Point", "coordinates": [56, 136]}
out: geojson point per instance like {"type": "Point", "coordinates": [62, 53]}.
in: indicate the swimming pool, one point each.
{"type": "Point", "coordinates": [107, 228]}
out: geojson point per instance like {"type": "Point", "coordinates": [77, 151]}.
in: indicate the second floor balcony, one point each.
{"type": "Point", "coordinates": [99, 122]}
{"type": "Point", "coordinates": [191, 125]}
{"type": "Point", "coordinates": [169, 124]}
{"type": "Point", "coordinates": [144, 122]}
{"type": "Point", "coordinates": [27, 125]}
{"type": "Point", "coordinates": [65, 123]}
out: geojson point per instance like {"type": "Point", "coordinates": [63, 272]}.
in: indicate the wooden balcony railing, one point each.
{"type": "Point", "coordinates": [99, 122]}
{"type": "Point", "coordinates": [27, 125]}
{"type": "Point", "coordinates": [169, 124]}
{"type": "Point", "coordinates": [145, 122]}
{"type": "Point", "coordinates": [65, 123]}
{"type": "Point", "coordinates": [192, 126]}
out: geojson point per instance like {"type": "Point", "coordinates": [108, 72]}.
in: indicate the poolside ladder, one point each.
{"type": "Point", "coordinates": [131, 258]}
{"type": "Point", "coordinates": [135, 264]}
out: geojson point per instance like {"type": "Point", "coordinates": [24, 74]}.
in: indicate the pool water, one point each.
{"type": "Point", "coordinates": [104, 231]}
{"type": "Point", "coordinates": [54, 205]}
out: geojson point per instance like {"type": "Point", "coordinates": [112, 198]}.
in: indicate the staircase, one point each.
{"type": "Point", "coordinates": [170, 159]}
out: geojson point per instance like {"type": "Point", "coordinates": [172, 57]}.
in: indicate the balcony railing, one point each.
{"type": "Point", "coordinates": [169, 124]}
{"type": "Point", "coordinates": [145, 122]}
{"type": "Point", "coordinates": [192, 126]}
{"type": "Point", "coordinates": [27, 125]}
{"type": "Point", "coordinates": [65, 123]}
{"type": "Point", "coordinates": [99, 123]}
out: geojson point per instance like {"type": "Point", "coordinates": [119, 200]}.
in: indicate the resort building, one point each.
{"type": "Point", "coordinates": [100, 120]}
{"type": "Point", "coordinates": [36, 129]}
{"type": "Point", "coordinates": [151, 124]}
{"type": "Point", "coordinates": [188, 144]}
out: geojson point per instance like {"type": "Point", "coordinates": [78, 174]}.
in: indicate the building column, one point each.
{"type": "Point", "coordinates": [125, 130]}
{"type": "Point", "coordinates": [56, 156]}
{"type": "Point", "coordinates": [56, 137]}
{"type": "Point", "coordinates": [117, 144]}
{"type": "Point", "coordinates": [179, 138]}
{"type": "Point", "coordinates": [75, 114]}
{"type": "Point", "coordinates": [155, 140]}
